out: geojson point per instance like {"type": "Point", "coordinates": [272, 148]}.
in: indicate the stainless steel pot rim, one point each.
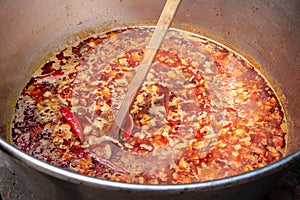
{"type": "Point", "coordinates": [95, 182]}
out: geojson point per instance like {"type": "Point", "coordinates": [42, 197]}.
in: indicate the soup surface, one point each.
{"type": "Point", "coordinates": [203, 113]}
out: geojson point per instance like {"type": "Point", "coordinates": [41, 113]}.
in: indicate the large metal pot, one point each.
{"type": "Point", "coordinates": [266, 32]}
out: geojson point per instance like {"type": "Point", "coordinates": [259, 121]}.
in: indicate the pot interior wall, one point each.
{"type": "Point", "coordinates": [265, 32]}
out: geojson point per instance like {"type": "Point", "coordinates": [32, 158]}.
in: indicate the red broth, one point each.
{"type": "Point", "coordinates": [203, 113]}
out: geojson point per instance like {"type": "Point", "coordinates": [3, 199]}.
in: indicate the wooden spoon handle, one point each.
{"type": "Point", "coordinates": [156, 40]}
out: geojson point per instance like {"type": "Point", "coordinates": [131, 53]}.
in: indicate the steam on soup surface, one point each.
{"type": "Point", "coordinates": [203, 112]}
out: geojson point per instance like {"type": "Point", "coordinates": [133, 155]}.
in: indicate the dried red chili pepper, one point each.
{"type": "Point", "coordinates": [109, 164]}
{"type": "Point", "coordinates": [128, 126]}
{"type": "Point", "coordinates": [72, 121]}
{"type": "Point", "coordinates": [9, 194]}
{"type": "Point", "coordinates": [166, 102]}
{"type": "Point", "coordinates": [52, 75]}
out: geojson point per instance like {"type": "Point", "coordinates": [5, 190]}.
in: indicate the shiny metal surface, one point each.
{"type": "Point", "coordinates": [265, 32]}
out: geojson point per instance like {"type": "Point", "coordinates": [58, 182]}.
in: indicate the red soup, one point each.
{"type": "Point", "coordinates": [203, 113]}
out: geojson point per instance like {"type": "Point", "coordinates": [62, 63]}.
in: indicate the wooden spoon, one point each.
{"type": "Point", "coordinates": [142, 70]}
